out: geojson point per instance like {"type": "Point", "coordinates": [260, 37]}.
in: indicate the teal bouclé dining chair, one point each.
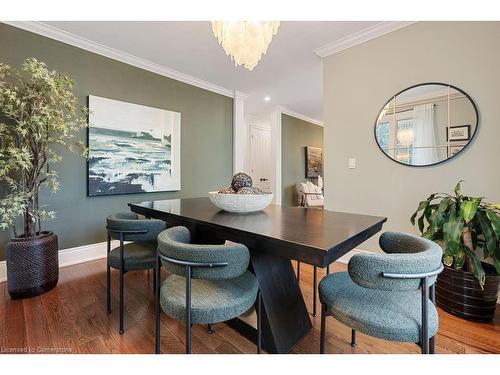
{"type": "Point", "coordinates": [207, 284]}
{"type": "Point", "coordinates": [390, 296]}
{"type": "Point", "coordinates": [138, 254]}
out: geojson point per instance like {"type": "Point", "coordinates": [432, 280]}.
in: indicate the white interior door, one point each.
{"type": "Point", "coordinates": [260, 158]}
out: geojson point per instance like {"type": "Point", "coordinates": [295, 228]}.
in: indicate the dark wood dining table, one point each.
{"type": "Point", "coordinates": [275, 236]}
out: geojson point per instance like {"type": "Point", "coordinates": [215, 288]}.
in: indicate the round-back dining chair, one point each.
{"type": "Point", "coordinates": [207, 284]}
{"type": "Point", "coordinates": [390, 296]}
{"type": "Point", "coordinates": [138, 254]}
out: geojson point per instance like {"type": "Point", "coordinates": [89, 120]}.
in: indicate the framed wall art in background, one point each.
{"type": "Point", "coordinates": [132, 148]}
{"type": "Point", "coordinates": [314, 162]}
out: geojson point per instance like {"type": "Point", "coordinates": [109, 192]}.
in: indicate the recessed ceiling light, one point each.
{"type": "Point", "coordinates": [267, 98]}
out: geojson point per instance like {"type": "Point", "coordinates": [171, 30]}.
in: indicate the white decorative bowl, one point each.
{"type": "Point", "coordinates": [241, 203]}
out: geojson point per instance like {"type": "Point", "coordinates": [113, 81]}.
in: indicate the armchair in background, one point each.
{"type": "Point", "coordinates": [309, 195]}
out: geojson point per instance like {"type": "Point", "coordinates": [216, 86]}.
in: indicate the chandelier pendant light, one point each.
{"type": "Point", "coordinates": [245, 41]}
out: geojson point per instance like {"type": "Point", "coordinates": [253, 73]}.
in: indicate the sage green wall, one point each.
{"type": "Point", "coordinates": [357, 83]}
{"type": "Point", "coordinates": [206, 132]}
{"type": "Point", "coordinates": [296, 135]}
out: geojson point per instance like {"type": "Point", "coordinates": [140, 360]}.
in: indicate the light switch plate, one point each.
{"type": "Point", "coordinates": [352, 163]}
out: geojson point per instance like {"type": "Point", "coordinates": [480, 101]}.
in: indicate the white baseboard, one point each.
{"type": "Point", "coordinates": [3, 271]}
{"type": "Point", "coordinates": [71, 256]}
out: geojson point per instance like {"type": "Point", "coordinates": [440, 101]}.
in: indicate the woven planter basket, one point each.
{"type": "Point", "coordinates": [32, 265]}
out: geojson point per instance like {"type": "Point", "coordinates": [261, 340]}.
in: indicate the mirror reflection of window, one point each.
{"type": "Point", "coordinates": [405, 139]}
{"type": "Point", "coordinates": [382, 134]}
{"type": "Point", "coordinates": [425, 134]}
{"type": "Point", "coordinates": [413, 126]}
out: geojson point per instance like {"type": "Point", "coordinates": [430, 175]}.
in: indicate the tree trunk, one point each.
{"type": "Point", "coordinates": [29, 223]}
{"type": "Point", "coordinates": [467, 238]}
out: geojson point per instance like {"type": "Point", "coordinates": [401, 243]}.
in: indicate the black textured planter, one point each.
{"type": "Point", "coordinates": [458, 292]}
{"type": "Point", "coordinates": [32, 265]}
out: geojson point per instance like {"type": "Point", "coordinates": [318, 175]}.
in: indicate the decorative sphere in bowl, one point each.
{"type": "Point", "coordinates": [240, 203]}
{"type": "Point", "coordinates": [241, 180]}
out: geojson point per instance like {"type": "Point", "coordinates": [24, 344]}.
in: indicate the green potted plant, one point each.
{"type": "Point", "coordinates": [39, 117]}
{"type": "Point", "coordinates": [463, 226]}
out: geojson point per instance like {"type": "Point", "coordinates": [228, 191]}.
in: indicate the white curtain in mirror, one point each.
{"type": "Point", "coordinates": [425, 135]}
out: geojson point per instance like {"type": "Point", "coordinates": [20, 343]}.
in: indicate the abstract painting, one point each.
{"type": "Point", "coordinates": [132, 148]}
{"type": "Point", "coordinates": [314, 162]}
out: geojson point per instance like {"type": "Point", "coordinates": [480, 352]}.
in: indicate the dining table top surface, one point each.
{"type": "Point", "coordinates": [312, 228]}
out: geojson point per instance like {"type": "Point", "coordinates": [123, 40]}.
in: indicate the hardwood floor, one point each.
{"type": "Point", "coordinates": [72, 319]}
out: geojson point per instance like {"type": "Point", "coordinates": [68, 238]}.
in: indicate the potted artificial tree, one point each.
{"type": "Point", "coordinates": [39, 116]}
{"type": "Point", "coordinates": [463, 225]}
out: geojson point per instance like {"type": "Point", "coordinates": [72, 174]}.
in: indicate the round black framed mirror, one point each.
{"type": "Point", "coordinates": [426, 124]}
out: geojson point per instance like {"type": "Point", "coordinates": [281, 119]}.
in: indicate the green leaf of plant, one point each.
{"type": "Point", "coordinates": [459, 260]}
{"type": "Point", "coordinates": [413, 217]}
{"type": "Point", "coordinates": [489, 234]}
{"type": "Point", "coordinates": [494, 221]}
{"type": "Point", "coordinates": [429, 211]}
{"type": "Point", "coordinates": [420, 207]}
{"type": "Point", "coordinates": [468, 208]}
{"type": "Point", "coordinates": [477, 268]}
{"type": "Point", "coordinates": [457, 188]}
{"type": "Point", "coordinates": [452, 231]}
{"type": "Point", "coordinates": [440, 216]}
{"type": "Point", "coordinates": [421, 224]}
{"type": "Point", "coordinates": [448, 260]}
{"type": "Point", "coordinates": [423, 205]}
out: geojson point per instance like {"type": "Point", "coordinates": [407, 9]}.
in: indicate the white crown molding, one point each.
{"type": "Point", "coordinates": [100, 49]}
{"type": "Point", "coordinates": [240, 95]}
{"type": "Point", "coordinates": [362, 36]}
{"type": "Point", "coordinates": [300, 116]}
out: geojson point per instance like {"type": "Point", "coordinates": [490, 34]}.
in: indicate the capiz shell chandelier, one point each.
{"type": "Point", "coordinates": [245, 41]}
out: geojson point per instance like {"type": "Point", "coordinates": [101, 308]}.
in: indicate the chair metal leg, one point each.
{"type": "Point", "coordinates": [424, 336]}
{"type": "Point", "coordinates": [209, 329]}
{"type": "Point", "coordinates": [298, 271]}
{"type": "Point", "coordinates": [315, 282]}
{"type": "Point", "coordinates": [328, 269]}
{"type": "Point", "coordinates": [122, 266]}
{"type": "Point", "coordinates": [108, 287]}
{"type": "Point", "coordinates": [157, 300]}
{"type": "Point", "coordinates": [432, 340]}
{"type": "Point", "coordinates": [154, 280]}
{"type": "Point", "coordinates": [353, 338]}
{"type": "Point", "coordinates": [121, 302]}
{"type": "Point", "coordinates": [259, 322]}
{"type": "Point", "coordinates": [188, 338]}
{"type": "Point", "coordinates": [323, 329]}
{"type": "Point", "coordinates": [108, 281]}
{"type": "Point", "coordinates": [188, 310]}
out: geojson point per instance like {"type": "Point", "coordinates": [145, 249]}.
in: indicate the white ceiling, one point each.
{"type": "Point", "coordinates": [290, 73]}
